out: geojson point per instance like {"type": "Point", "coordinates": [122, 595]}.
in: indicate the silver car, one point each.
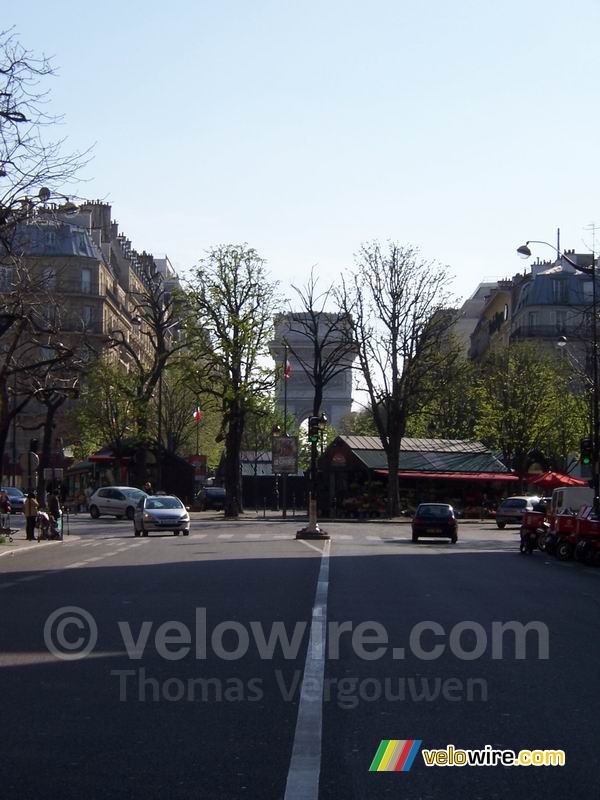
{"type": "Point", "coordinates": [116, 501]}
{"type": "Point", "coordinates": [161, 512]}
{"type": "Point", "coordinates": [511, 510]}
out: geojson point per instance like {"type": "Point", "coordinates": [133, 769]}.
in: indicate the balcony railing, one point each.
{"type": "Point", "coordinates": [580, 333]}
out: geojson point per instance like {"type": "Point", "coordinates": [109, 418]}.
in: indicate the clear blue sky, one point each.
{"type": "Point", "coordinates": [305, 128]}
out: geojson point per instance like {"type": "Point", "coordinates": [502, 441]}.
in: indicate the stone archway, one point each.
{"type": "Point", "coordinates": [337, 395]}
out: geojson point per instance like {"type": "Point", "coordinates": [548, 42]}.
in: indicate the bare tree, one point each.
{"type": "Point", "coordinates": [396, 304]}
{"type": "Point", "coordinates": [30, 163]}
{"type": "Point", "coordinates": [320, 340]}
{"type": "Point", "coordinates": [161, 315]}
{"type": "Point", "coordinates": [32, 347]}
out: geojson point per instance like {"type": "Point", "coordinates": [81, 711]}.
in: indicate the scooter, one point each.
{"type": "Point", "coordinates": [529, 540]}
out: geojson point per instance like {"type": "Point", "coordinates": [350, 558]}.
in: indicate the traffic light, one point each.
{"type": "Point", "coordinates": [313, 429]}
{"type": "Point", "coordinates": [586, 452]}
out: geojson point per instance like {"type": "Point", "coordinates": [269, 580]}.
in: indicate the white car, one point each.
{"type": "Point", "coordinates": [116, 501]}
{"type": "Point", "coordinates": [161, 512]}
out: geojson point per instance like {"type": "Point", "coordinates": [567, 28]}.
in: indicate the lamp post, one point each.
{"type": "Point", "coordinates": [525, 252]}
{"type": "Point", "coordinates": [316, 426]}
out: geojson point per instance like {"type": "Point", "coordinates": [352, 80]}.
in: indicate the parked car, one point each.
{"type": "Point", "coordinates": [16, 497]}
{"type": "Point", "coordinates": [211, 497]}
{"type": "Point", "coordinates": [511, 510]}
{"type": "Point", "coordinates": [435, 520]}
{"type": "Point", "coordinates": [116, 501]}
{"type": "Point", "coordinates": [161, 512]}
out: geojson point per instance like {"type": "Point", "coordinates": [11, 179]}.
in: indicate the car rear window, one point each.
{"type": "Point", "coordinates": [433, 511]}
{"type": "Point", "coordinates": [516, 502]}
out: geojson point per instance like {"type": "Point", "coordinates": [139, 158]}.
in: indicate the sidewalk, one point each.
{"type": "Point", "coordinates": [20, 544]}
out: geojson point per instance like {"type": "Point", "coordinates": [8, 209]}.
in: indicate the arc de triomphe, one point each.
{"type": "Point", "coordinates": [337, 394]}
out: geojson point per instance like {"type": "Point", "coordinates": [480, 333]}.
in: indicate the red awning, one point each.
{"type": "Point", "coordinates": [460, 476]}
{"type": "Point", "coordinates": [554, 480]}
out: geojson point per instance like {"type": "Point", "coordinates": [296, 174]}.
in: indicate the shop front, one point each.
{"type": "Point", "coordinates": [353, 476]}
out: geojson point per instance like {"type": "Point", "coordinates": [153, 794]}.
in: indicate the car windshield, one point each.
{"type": "Point", "coordinates": [163, 502]}
{"type": "Point", "coordinates": [13, 491]}
{"type": "Point", "coordinates": [135, 493]}
{"type": "Point", "coordinates": [433, 511]}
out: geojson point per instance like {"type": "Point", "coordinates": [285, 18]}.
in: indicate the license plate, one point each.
{"type": "Point", "coordinates": [434, 530]}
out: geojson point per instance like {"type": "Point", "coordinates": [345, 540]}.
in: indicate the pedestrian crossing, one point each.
{"type": "Point", "coordinates": [238, 536]}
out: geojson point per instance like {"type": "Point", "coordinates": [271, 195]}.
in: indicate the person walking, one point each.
{"type": "Point", "coordinates": [5, 510]}
{"type": "Point", "coordinates": [54, 506]}
{"type": "Point", "coordinates": [55, 512]}
{"type": "Point", "coordinates": [30, 509]}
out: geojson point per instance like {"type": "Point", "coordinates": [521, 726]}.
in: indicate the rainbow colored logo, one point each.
{"type": "Point", "coordinates": [395, 755]}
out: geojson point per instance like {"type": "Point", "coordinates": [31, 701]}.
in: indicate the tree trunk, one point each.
{"type": "Point", "coordinates": [393, 495]}
{"type": "Point", "coordinates": [46, 451]}
{"type": "Point", "coordinates": [233, 477]}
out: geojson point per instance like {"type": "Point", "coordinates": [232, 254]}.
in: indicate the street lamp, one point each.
{"type": "Point", "coordinates": [316, 426]}
{"type": "Point", "coordinates": [525, 252]}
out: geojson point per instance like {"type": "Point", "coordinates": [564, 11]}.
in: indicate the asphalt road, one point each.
{"type": "Point", "coordinates": [204, 706]}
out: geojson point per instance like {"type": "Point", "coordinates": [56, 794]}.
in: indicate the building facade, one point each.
{"type": "Point", "coordinates": [296, 393]}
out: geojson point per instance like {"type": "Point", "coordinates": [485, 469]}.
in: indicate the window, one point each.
{"type": "Point", "coordinates": [49, 315]}
{"type": "Point", "coordinates": [49, 278]}
{"type": "Point", "coordinates": [6, 279]}
{"type": "Point", "coordinates": [86, 280]}
{"type": "Point", "coordinates": [50, 237]}
{"type": "Point", "coordinates": [559, 291]}
{"type": "Point", "coordinates": [80, 241]}
{"type": "Point", "coordinates": [560, 320]}
{"type": "Point", "coordinates": [87, 314]}
{"type": "Point", "coordinates": [532, 319]}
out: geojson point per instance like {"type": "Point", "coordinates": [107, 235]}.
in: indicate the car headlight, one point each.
{"type": "Point", "coordinates": [148, 517]}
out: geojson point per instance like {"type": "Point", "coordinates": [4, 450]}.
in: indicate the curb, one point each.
{"type": "Point", "coordinates": [22, 547]}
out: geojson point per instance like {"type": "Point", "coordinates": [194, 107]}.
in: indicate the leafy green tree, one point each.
{"type": "Point", "coordinates": [448, 406]}
{"type": "Point", "coordinates": [358, 423]}
{"type": "Point", "coordinates": [234, 302]}
{"type": "Point", "coordinates": [524, 403]}
{"type": "Point", "coordinates": [106, 412]}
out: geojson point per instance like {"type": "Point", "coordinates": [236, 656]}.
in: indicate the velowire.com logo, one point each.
{"type": "Point", "coordinates": [395, 755]}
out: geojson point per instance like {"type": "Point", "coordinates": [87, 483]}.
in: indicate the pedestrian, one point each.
{"type": "Point", "coordinates": [54, 506]}
{"type": "Point", "coordinates": [148, 488]}
{"type": "Point", "coordinates": [30, 510]}
{"type": "Point", "coordinates": [5, 510]}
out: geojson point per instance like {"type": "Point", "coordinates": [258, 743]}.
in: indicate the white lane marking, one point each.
{"type": "Point", "coordinates": [373, 538]}
{"type": "Point", "coordinates": [343, 536]}
{"type": "Point", "coordinates": [305, 766]}
{"type": "Point", "coordinates": [253, 536]}
{"type": "Point", "coordinates": [199, 535]}
{"type": "Point", "coordinates": [226, 535]}
{"type": "Point", "coordinates": [76, 564]}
